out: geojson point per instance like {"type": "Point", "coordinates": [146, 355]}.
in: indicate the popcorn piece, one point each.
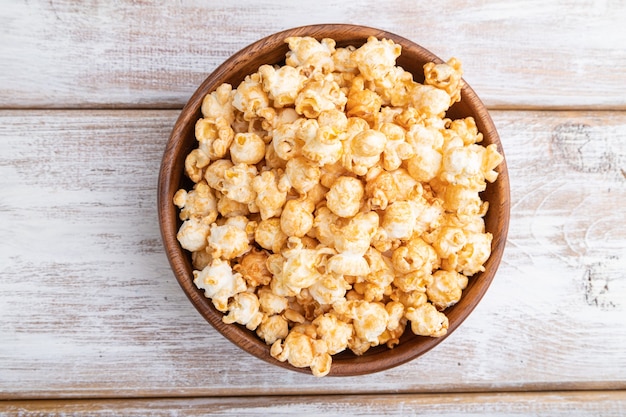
{"type": "Point", "coordinates": [383, 243]}
{"type": "Point", "coordinates": [380, 189]}
{"type": "Point", "coordinates": [427, 213]}
{"type": "Point", "coordinates": [462, 163]}
{"type": "Point", "coordinates": [303, 174]}
{"type": "Point", "coordinates": [237, 183]}
{"type": "Point", "coordinates": [446, 76]}
{"type": "Point", "coordinates": [342, 59]}
{"type": "Point", "coordinates": [397, 149]}
{"type": "Point", "coordinates": [219, 283]}
{"type": "Point", "coordinates": [406, 185]}
{"type": "Point", "coordinates": [215, 173]}
{"type": "Point", "coordinates": [306, 128]}
{"type": "Point", "coordinates": [362, 102]}
{"type": "Point", "coordinates": [310, 55]}
{"type": "Point", "coordinates": [334, 332]}
{"type": "Point", "coordinates": [348, 264]}
{"type": "Point", "coordinates": [417, 280]}
{"type": "Point", "coordinates": [356, 235]}
{"type": "Point", "coordinates": [305, 328]}
{"type": "Point", "coordinates": [214, 137]}
{"type": "Point", "coordinates": [402, 219]}
{"type": "Point", "coordinates": [269, 235]}
{"type": "Point", "coordinates": [345, 196]}
{"type": "Point", "coordinates": [199, 202]}
{"type": "Point", "coordinates": [329, 289]}
{"type": "Point", "coordinates": [201, 259]}
{"type": "Point", "coordinates": [294, 316]}
{"type": "Point", "coordinates": [250, 98]}
{"type": "Point", "coordinates": [448, 241]}
{"type": "Point", "coordinates": [415, 255]}
{"type": "Point", "coordinates": [376, 58]}
{"type": "Point", "coordinates": [192, 234]}
{"type": "Point", "coordinates": [333, 118]}
{"type": "Point", "coordinates": [426, 143]}
{"type": "Point", "coordinates": [195, 163]}
{"type": "Point", "coordinates": [322, 226]}
{"type": "Point", "coordinates": [285, 141]}
{"type": "Point", "coordinates": [398, 220]}
{"type": "Point", "coordinates": [363, 151]}
{"type": "Point", "coordinates": [429, 101]}
{"type": "Point", "coordinates": [286, 115]}
{"type": "Point", "coordinates": [272, 329]}
{"type": "Point", "coordinates": [227, 241]}
{"type": "Point", "coordinates": [391, 338]}
{"type": "Point", "coordinates": [298, 271]}
{"type": "Point", "coordinates": [460, 200]}
{"type": "Point", "coordinates": [427, 321]}
{"type": "Point", "coordinates": [446, 288]}
{"type": "Point", "coordinates": [358, 346]}
{"type": "Point", "coordinates": [320, 93]}
{"type": "Point", "coordinates": [409, 299]}
{"type": "Point", "coordinates": [491, 159]}
{"type": "Point", "coordinates": [466, 129]}
{"type": "Point", "coordinates": [395, 87]}
{"type": "Point", "coordinates": [396, 325]}
{"type": "Point", "coordinates": [474, 254]}
{"type": "Point", "coordinates": [247, 148]}
{"type": "Point", "coordinates": [369, 319]}
{"type": "Point", "coordinates": [244, 309]}
{"type": "Point", "coordinates": [396, 313]}
{"type": "Point", "coordinates": [253, 268]}
{"type": "Point", "coordinates": [325, 146]}
{"type": "Point", "coordinates": [389, 114]}
{"type": "Point", "coordinates": [303, 351]}
{"type": "Point", "coordinates": [376, 284]}
{"type": "Point", "coordinates": [281, 84]}
{"type": "Point", "coordinates": [469, 224]}
{"type": "Point", "coordinates": [219, 104]}
{"type": "Point", "coordinates": [271, 195]}
{"type": "Point", "coordinates": [230, 208]}
{"type": "Point", "coordinates": [296, 218]}
{"type": "Point", "coordinates": [425, 165]}
{"type": "Point", "coordinates": [270, 303]}
{"type": "Point", "coordinates": [241, 222]}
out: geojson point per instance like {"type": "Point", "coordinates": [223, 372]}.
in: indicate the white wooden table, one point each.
{"type": "Point", "coordinates": [92, 320]}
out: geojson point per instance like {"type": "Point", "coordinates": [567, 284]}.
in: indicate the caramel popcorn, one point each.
{"type": "Point", "coordinates": [244, 309]}
{"type": "Point", "coordinates": [334, 205]}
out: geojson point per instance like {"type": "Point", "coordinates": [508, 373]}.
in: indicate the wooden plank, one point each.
{"type": "Point", "coordinates": [90, 307]}
{"type": "Point", "coordinates": [523, 54]}
{"type": "Point", "coordinates": [566, 404]}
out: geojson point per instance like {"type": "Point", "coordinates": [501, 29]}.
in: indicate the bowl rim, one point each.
{"type": "Point", "coordinates": [169, 180]}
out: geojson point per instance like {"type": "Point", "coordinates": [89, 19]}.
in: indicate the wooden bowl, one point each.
{"type": "Point", "coordinates": [272, 50]}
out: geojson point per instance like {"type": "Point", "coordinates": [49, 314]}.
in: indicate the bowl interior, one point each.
{"type": "Point", "coordinates": [272, 50]}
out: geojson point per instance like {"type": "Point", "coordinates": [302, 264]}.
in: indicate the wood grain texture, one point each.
{"type": "Point", "coordinates": [90, 307]}
{"type": "Point", "coordinates": [557, 404]}
{"type": "Point", "coordinates": [137, 54]}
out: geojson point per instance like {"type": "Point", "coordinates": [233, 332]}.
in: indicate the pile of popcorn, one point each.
{"type": "Point", "coordinates": [334, 203]}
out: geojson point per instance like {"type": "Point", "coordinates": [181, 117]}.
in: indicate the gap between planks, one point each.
{"type": "Point", "coordinates": [608, 403]}
{"type": "Point", "coordinates": [196, 394]}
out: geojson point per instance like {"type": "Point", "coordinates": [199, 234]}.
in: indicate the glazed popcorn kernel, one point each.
{"type": "Point", "coordinates": [334, 205]}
